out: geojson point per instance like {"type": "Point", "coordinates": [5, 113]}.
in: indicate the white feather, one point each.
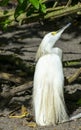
{"type": "Point", "coordinates": [48, 96]}
{"type": "Point", "coordinates": [49, 41]}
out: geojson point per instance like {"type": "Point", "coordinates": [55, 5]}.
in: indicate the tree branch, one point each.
{"type": "Point", "coordinates": [52, 13]}
{"type": "Point", "coordinates": [28, 85]}
{"type": "Point", "coordinates": [11, 77]}
{"type": "Point", "coordinates": [74, 76]}
{"type": "Point", "coordinates": [16, 90]}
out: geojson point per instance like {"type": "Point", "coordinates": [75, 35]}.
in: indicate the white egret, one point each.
{"type": "Point", "coordinates": [48, 95]}
{"type": "Point", "coordinates": [48, 43]}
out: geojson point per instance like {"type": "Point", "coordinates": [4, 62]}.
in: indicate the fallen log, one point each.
{"type": "Point", "coordinates": [12, 92]}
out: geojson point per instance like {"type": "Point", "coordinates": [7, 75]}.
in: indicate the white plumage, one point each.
{"type": "Point", "coordinates": [48, 96]}
{"type": "Point", "coordinates": [48, 91]}
{"type": "Point", "coordinates": [48, 42]}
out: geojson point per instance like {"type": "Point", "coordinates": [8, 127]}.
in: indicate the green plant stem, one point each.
{"type": "Point", "coordinates": [52, 13]}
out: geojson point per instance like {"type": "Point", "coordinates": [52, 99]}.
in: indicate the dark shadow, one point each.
{"type": "Point", "coordinates": [71, 53]}
{"type": "Point", "coordinates": [33, 30]}
{"type": "Point", "coordinates": [22, 98]}
{"type": "Point", "coordinates": [71, 101]}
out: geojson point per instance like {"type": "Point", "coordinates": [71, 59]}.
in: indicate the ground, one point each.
{"type": "Point", "coordinates": [24, 40]}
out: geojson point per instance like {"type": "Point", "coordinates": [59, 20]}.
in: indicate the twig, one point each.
{"type": "Point", "coordinates": [74, 76]}
{"type": "Point", "coordinates": [72, 63]}
{"type": "Point", "coordinates": [36, 16]}
{"type": "Point", "coordinates": [69, 3]}
{"type": "Point", "coordinates": [16, 90]}
{"type": "Point", "coordinates": [55, 3]}
{"type": "Point", "coordinates": [28, 85]}
{"type": "Point", "coordinates": [63, 12]}
{"type": "Point", "coordinates": [11, 77]}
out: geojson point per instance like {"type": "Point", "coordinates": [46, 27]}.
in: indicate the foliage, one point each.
{"type": "Point", "coordinates": [34, 10]}
{"type": "Point", "coordinates": [26, 5]}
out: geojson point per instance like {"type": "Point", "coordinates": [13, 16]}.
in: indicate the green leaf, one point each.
{"type": "Point", "coordinates": [79, 101]}
{"type": "Point", "coordinates": [20, 8]}
{"type": "Point", "coordinates": [35, 3]}
{"type": "Point", "coordinates": [43, 8]}
{"type": "Point", "coordinates": [5, 23]}
{"type": "Point", "coordinates": [18, 11]}
{"type": "Point", "coordinates": [4, 2]}
{"type": "Point", "coordinates": [20, 1]}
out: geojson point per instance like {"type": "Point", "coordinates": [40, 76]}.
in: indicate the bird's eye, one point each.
{"type": "Point", "coordinates": [53, 33]}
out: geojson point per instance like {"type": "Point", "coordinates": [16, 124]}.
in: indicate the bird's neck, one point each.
{"type": "Point", "coordinates": [43, 50]}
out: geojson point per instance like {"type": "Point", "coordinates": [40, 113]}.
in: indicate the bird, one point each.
{"type": "Point", "coordinates": [48, 83]}
{"type": "Point", "coordinates": [49, 41]}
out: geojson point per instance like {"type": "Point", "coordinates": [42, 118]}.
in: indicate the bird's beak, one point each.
{"type": "Point", "coordinates": [61, 30]}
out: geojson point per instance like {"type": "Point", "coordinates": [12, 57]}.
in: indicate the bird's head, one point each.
{"type": "Point", "coordinates": [49, 41]}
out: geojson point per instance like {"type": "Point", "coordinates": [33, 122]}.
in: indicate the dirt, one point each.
{"type": "Point", "coordinates": [24, 41]}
